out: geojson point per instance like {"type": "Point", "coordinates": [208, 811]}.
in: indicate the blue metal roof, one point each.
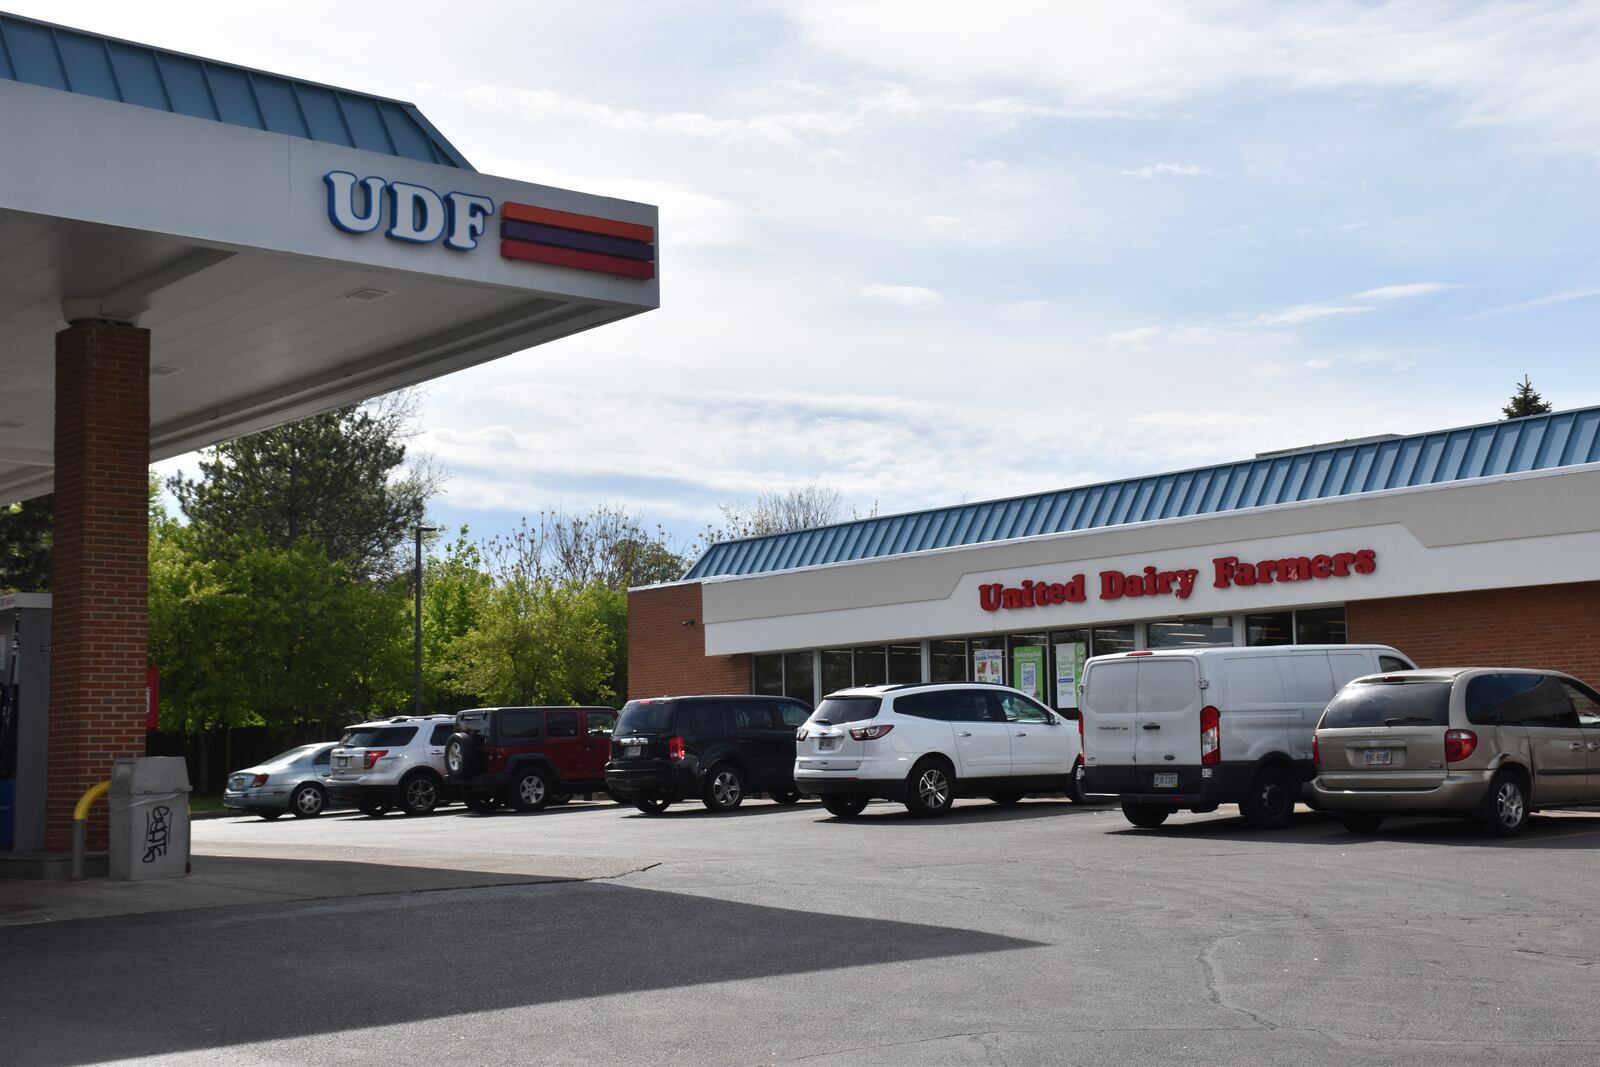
{"type": "Point", "coordinates": [56, 57]}
{"type": "Point", "coordinates": [1536, 442]}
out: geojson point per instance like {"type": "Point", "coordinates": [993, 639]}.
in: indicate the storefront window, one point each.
{"type": "Point", "coordinates": [1068, 650]}
{"type": "Point", "coordinates": [1275, 628]}
{"type": "Point", "coordinates": [947, 661]}
{"type": "Point", "coordinates": [1189, 633]}
{"type": "Point", "coordinates": [1107, 640]}
{"type": "Point", "coordinates": [871, 666]}
{"type": "Point", "coordinates": [797, 676]}
{"type": "Point", "coordinates": [836, 673]}
{"type": "Point", "coordinates": [1319, 626]}
{"type": "Point", "coordinates": [769, 675]}
{"type": "Point", "coordinates": [905, 663]}
{"type": "Point", "coordinates": [989, 659]}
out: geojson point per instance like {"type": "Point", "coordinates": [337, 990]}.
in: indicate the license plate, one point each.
{"type": "Point", "coordinates": [824, 744]}
{"type": "Point", "coordinates": [342, 761]}
{"type": "Point", "coordinates": [1166, 780]}
{"type": "Point", "coordinates": [629, 751]}
{"type": "Point", "coordinates": [1377, 757]}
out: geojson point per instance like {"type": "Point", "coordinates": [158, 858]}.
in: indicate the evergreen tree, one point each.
{"type": "Point", "coordinates": [1526, 401]}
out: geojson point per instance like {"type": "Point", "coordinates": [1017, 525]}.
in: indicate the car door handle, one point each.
{"type": "Point", "coordinates": [1020, 733]}
{"type": "Point", "coordinates": [1151, 726]}
{"type": "Point", "coordinates": [1594, 746]}
{"type": "Point", "coordinates": [963, 733]}
{"type": "Point", "coordinates": [1576, 746]}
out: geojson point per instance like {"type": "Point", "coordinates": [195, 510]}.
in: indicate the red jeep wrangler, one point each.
{"type": "Point", "coordinates": [528, 757]}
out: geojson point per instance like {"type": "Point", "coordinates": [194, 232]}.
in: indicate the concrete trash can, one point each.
{"type": "Point", "coordinates": [149, 801]}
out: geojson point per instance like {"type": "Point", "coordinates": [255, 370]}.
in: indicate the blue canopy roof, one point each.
{"type": "Point", "coordinates": [56, 57]}
{"type": "Point", "coordinates": [1536, 442]}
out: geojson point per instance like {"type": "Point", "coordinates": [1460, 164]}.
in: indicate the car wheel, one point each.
{"type": "Point", "coordinates": [1144, 816]}
{"type": "Point", "coordinates": [1270, 803]}
{"type": "Point", "coordinates": [530, 791]}
{"type": "Point", "coordinates": [460, 756]}
{"type": "Point", "coordinates": [269, 813]}
{"type": "Point", "coordinates": [482, 803]}
{"type": "Point", "coordinates": [844, 807]}
{"type": "Point", "coordinates": [652, 807]}
{"type": "Point", "coordinates": [930, 789]}
{"type": "Point", "coordinates": [419, 794]}
{"type": "Point", "coordinates": [786, 797]}
{"type": "Point", "coordinates": [1504, 811]}
{"type": "Point", "coordinates": [308, 801]}
{"type": "Point", "coordinates": [1075, 790]}
{"type": "Point", "coordinates": [1007, 799]}
{"type": "Point", "coordinates": [373, 810]}
{"type": "Point", "coordinates": [1360, 822]}
{"type": "Point", "coordinates": [724, 788]}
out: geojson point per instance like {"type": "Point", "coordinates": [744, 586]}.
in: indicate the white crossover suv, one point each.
{"type": "Point", "coordinates": [392, 763]}
{"type": "Point", "coordinates": [926, 744]}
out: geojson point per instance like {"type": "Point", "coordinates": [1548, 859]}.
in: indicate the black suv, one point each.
{"type": "Point", "coordinates": [528, 757]}
{"type": "Point", "coordinates": [716, 748]}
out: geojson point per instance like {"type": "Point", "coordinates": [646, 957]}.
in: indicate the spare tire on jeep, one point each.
{"type": "Point", "coordinates": [461, 755]}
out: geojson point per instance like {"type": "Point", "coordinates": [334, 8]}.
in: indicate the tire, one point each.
{"type": "Point", "coordinates": [652, 807]}
{"type": "Point", "coordinates": [724, 789]}
{"type": "Point", "coordinates": [482, 803]}
{"type": "Point", "coordinates": [1144, 816]}
{"type": "Point", "coordinates": [461, 756]}
{"type": "Point", "coordinates": [308, 800]}
{"type": "Point", "coordinates": [930, 789]}
{"type": "Point", "coordinates": [1360, 822]}
{"type": "Point", "coordinates": [419, 794]}
{"type": "Point", "coordinates": [270, 813]}
{"type": "Point", "coordinates": [530, 790]}
{"type": "Point", "coordinates": [1075, 790]}
{"type": "Point", "coordinates": [844, 807]}
{"type": "Point", "coordinates": [373, 811]}
{"type": "Point", "coordinates": [1270, 803]}
{"type": "Point", "coordinates": [787, 797]}
{"type": "Point", "coordinates": [1008, 799]}
{"type": "Point", "coordinates": [1504, 810]}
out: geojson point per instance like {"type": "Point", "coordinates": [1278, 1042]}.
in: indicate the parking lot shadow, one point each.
{"type": "Point", "coordinates": [1563, 831]}
{"type": "Point", "coordinates": [965, 812]}
{"type": "Point", "coordinates": [86, 991]}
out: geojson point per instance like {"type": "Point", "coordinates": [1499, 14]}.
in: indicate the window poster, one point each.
{"type": "Point", "coordinates": [1027, 670]}
{"type": "Point", "coordinates": [1069, 672]}
{"type": "Point", "coordinates": [989, 665]}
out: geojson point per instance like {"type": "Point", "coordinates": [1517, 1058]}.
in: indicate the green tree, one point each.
{"type": "Point", "coordinates": [332, 478]}
{"type": "Point", "coordinates": [537, 642]}
{"type": "Point", "coordinates": [25, 543]}
{"type": "Point", "coordinates": [455, 591]}
{"type": "Point", "coordinates": [1526, 401]}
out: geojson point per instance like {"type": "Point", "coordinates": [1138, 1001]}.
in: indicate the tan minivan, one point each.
{"type": "Point", "coordinates": [1485, 743]}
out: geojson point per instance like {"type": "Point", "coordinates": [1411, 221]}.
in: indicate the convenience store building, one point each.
{"type": "Point", "coordinates": [1475, 545]}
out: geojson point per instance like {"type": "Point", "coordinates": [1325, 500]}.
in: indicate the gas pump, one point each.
{"type": "Point", "coordinates": [24, 718]}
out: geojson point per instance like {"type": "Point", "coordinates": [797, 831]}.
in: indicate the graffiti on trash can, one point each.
{"type": "Point", "coordinates": [157, 832]}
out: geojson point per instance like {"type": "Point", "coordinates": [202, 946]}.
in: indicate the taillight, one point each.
{"type": "Point", "coordinates": [1316, 752]}
{"type": "Point", "coordinates": [259, 779]}
{"type": "Point", "coordinates": [869, 733]}
{"type": "Point", "coordinates": [1459, 744]}
{"type": "Point", "coordinates": [675, 748]}
{"type": "Point", "coordinates": [373, 755]}
{"type": "Point", "coordinates": [1210, 735]}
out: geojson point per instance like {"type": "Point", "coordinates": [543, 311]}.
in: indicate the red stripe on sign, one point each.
{"type": "Point", "coordinates": [585, 223]}
{"type": "Point", "coordinates": [570, 257]}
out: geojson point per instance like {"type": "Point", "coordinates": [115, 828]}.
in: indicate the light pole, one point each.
{"type": "Point", "coordinates": [416, 632]}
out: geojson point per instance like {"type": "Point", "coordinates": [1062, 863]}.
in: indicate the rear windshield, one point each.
{"type": "Point", "coordinates": [835, 710]}
{"type": "Point", "coordinates": [380, 736]}
{"type": "Point", "coordinates": [645, 717]}
{"type": "Point", "coordinates": [1381, 703]}
{"type": "Point", "coordinates": [358, 738]}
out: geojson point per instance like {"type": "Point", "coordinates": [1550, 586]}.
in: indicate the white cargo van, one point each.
{"type": "Point", "coordinates": [1193, 728]}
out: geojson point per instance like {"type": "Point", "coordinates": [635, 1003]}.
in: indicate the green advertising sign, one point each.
{"type": "Point", "coordinates": [1027, 670]}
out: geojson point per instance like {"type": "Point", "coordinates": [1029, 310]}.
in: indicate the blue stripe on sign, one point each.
{"type": "Point", "coordinates": [584, 242]}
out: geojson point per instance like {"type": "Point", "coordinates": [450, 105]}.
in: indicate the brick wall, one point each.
{"type": "Point", "coordinates": [667, 657]}
{"type": "Point", "coordinates": [1552, 626]}
{"type": "Point", "coordinates": [99, 621]}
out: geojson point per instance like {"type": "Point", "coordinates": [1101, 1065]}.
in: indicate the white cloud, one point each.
{"type": "Point", "coordinates": [904, 296]}
{"type": "Point", "coordinates": [1183, 170]}
{"type": "Point", "coordinates": [1402, 292]}
{"type": "Point", "coordinates": [1134, 338]}
{"type": "Point", "coordinates": [1304, 313]}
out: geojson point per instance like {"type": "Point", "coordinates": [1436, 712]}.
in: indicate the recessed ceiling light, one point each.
{"type": "Point", "coordinates": [367, 296]}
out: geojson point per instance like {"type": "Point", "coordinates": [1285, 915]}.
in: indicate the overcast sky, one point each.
{"type": "Point", "coordinates": [930, 252]}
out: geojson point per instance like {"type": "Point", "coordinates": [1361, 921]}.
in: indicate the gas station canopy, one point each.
{"type": "Point", "coordinates": [291, 247]}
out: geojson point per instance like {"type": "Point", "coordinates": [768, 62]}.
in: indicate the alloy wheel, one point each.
{"type": "Point", "coordinates": [1508, 803]}
{"type": "Point", "coordinates": [531, 789]}
{"type": "Point", "coordinates": [725, 789]}
{"type": "Point", "coordinates": [933, 788]}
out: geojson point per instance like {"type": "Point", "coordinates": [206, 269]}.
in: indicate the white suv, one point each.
{"type": "Point", "coordinates": [392, 763]}
{"type": "Point", "coordinates": [926, 744]}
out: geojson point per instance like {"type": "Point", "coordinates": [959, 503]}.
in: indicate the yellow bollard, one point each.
{"type": "Point", "coordinates": [80, 816]}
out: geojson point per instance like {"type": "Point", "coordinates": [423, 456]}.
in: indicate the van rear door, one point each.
{"type": "Point", "coordinates": [1167, 718]}
{"type": "Point", "coordinates": [1110, 689]}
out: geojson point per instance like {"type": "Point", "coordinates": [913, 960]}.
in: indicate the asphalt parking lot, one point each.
{"type": "Point", "coordinates": [1046, 933]}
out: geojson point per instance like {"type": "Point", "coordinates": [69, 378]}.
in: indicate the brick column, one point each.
{"type": "Point", "coordinates": [99, 624]}
{"type": "Point", "coordinates": [667, 647]}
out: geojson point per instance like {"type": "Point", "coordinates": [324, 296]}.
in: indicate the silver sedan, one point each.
{"type": "Point", "coordinates": [293, 781]}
